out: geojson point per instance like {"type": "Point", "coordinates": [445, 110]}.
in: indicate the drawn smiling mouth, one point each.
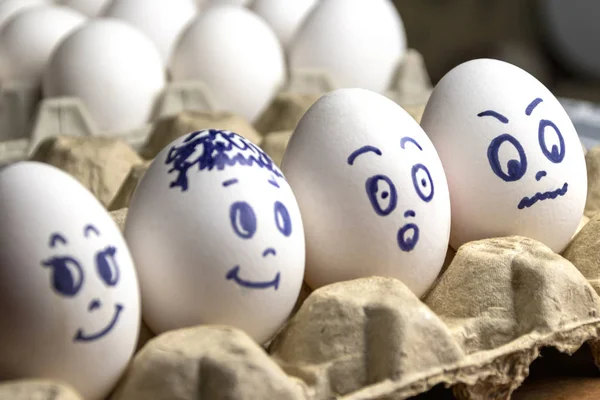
{"type": "Point", "coordinates": [233, 275]}
{"type": "Point", "coordinates": [82, 337]}
{"type": "Point", "coordinates": [527, 202]}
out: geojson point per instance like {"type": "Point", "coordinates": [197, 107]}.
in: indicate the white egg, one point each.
{"type": "Point", "coordinates": [360, 43]}
{"type": "Point", "coordinates": [371, 189]}
{"type": "Point", "coordinates": [69, 295]}
{"type": "Point", "coordinates": [217, 236]}
{"type": "Point", "coordinates": [28, 40]}
{"type": "Point", "coordinates": [513, 159]}
{"type": "Point", "coordinates": [11, 8]}
{"type": "Point", "coordinates": [90, 8]}
{"type": "Point", "coordinates": [113, 68]}
{"type": "Point", "coordinates": [283, 16]}
{"type": "Point", "coordinates": [207, 3]}
{"type": "Point", "coordinates": [162, 21]}
{"type": "Point", "coordinates": [236, 54]}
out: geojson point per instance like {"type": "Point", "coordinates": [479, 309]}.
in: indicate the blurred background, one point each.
{"type": "Point", "coordinates": [555, 40]}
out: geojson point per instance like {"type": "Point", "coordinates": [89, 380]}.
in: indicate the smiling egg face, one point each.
{"type": "Point", "coordinates": [514, 162]}
{"type": "Point", "coordinates": [217, 236]}
{"type": "Point", "coordinates": [68, 289]}
{"type": "Point", "coordinates": [371, 189]}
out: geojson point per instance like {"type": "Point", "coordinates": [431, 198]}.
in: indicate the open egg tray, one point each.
{"type": "Point", "coordinates": [496, 304]}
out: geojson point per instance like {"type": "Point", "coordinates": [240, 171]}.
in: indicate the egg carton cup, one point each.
{"type": "Point", "coordinates": [24, 119]}
{"type": "Point", "coordinates": [24, 115]}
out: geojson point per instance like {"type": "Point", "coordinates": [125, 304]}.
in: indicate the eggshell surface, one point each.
{"type": "Point", "coordinates": [162, 21]}
{"type": "Point", "coordinates": [217, 237]}
{"type": "Point", "coordinates": [27, 41]}
{"type": "Point", "coordinates": [284, 17]}
{"type": "Point", "coordinates": [514, 162]}
{"type": "Point", "coordinates": [91, 8]}
{"type": "Point", "coordinates": [360, 43]}
{"type": "Point", "coordinates": [11, 8]}
{"type": "Point", "coordinates": [236, 54]}
{"type": "Point", "coordinates": [113, 68]}
{"type": "Point", "coordinates": [69, 296]}
{"type": "Point", "coordinates": [371, 189]}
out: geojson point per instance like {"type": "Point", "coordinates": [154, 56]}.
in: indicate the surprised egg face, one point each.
{"type": "Point", "coordinates": [513, 159]}
{"type": "Point", "coordinates": [371, 189]}
{"type": "Point", "coordinates": [218, 236]}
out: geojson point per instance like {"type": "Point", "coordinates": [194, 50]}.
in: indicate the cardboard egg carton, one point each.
{"type": "Point", "coordinates": [26, 119]}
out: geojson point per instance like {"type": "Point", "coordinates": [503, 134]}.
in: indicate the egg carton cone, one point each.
{"type": "Point", "coordinates": [26, 119]}
{"type": "Point", "coordinates": [411, 84]}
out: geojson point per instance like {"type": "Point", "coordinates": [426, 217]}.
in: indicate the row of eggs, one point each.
{"type": "Point", "coordinates": [116, 63]}
{"type": "Point", "coordinates": [219, 234]}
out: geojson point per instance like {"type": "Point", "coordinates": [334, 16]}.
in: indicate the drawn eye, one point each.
{"type": "Point", "coordinates": [549, 136]}
{"type": "Point", "coordinates": [243, 219]}
{"type": "Point", "coordinates": [67, 275]}
{"type": "Point", "coordinates": [282, 219]}
{"type": "Point", "coordinates": [107, 267]}
{"type": "Point", "coordinates": [509, 170]}
{"type": "Point", "coordinates": [382, 194]}
{"type": "Point", "coordinates": [422, 182]}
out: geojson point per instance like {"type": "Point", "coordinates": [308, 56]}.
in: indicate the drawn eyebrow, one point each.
{"type": "Point", "coordinates": [273, 182]}
{"type": "Point", "coordinates": [494, 114]}
{"type": "Point", "coordinates": [90, 228]}
{"type": "Point", "coordinates": [57, 237]}
{"type": "Point", "coordinates": [532, 106]}
{"type": "Point", "coordinates": [410, 140]}
{"type": "Point", "coordinates": [230, 182]}
{"type": "Point", "coordinates": [362, 150]}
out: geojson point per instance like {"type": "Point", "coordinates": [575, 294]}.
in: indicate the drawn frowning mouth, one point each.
{"type": "Point", "coordinates": [233, 275]}
{"type": "Point", "coordinates": [527, 202]}
{"type": "Point", "coordinates": [82, 337]}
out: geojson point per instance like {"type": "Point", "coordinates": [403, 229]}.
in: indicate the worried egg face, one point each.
{"type": "Point", "coordinates": [69, 290]}
{"type": "Point", "coordinates": [513, 159]}
{"type": "Point", "coordinates": [218, 236]}
{"type": "Point", "coordinates": [371, 189]}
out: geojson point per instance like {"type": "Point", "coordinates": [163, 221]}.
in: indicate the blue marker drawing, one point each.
{"type": "Point", "coordinates": [215, 150]}
{"type": "Point", "coordinates": [380, 190]}
{"type": "Point", "coordinates": [527, 202]}
{"type": "Point", "coordinates": [540, 175]}
{"type": "Point", "coordinates": [408, 139]}
{"type": "Point", "coordinates": [363, 150]}
{"type": "Point", "coordinates": [557, 153]}
{"type": "Point", "coordinates": [515, 168]}
{"type": "Point", "coordinates": [67, 278]}
{"type": "Point", "coordinates": [230, 182]}
{"type": "Point", "coordinates": [532, 106]}
{"type": "Point", "coordinates": [423, 187]}
{"type": "Point", "coordinates": [406, 241]}
{"type": "Point", "coordinates": [243, 219]}
{"type": "Point", "coordinates": [494, 114]}
{"type": "Point", "coordinates": [233, 275]}
{"type": "Point", "coordinates": [282, 219]}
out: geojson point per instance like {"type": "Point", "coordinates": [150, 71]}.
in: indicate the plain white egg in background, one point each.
{"type": "Point", "coordinates": [222, 245]}
{"type": "Point", "coordinates": [512, 156]}
{"type": "Point", "coordinates": [70, 300]}
{"type": "Point", "coordinates": [371, 189]}
{"type": "Point", "coordinates": [28, 40]}
{"type": "Point", "coordinates": [90, 8]}
{"type": "Point", "coordinates": [283, 16]}
{"type": "Point", "coordinates": [11, 8]}
{"type": "Point", "coordinates": [359, 43]}
{"type": "Point", "coordinates": [236, 54]}
{"type": "Point", "coordinates": [113, 68]}
{"type": "Point", "coordinates": [162, 21]}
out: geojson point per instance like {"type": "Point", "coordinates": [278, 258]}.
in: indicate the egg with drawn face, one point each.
{"type": "Point", "coordinates": [513, 159]}
{"type": "Point", "coordinates": [371, 189]}
{"type": "Point", "coordinates": [69, 296]}
{"type": "Point", "coordinates": [217, 236]}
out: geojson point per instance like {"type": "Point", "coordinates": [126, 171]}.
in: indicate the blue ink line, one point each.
{"type": "Point", "coordinates": [217, 148]}
{"type": "Point", "coordinates": [515, 168]}
{"type": "Point", "coordinates": [268, 251]}
{"type": "Point", "coordinates": [540, 175]}
{"type": "Point", "coordinates": [372, 189]}
{"type": "Point", "coordinates": [410, 140]}
{"type": "Point", "coordinates": [362, 150]}
{"type": "Point", "coordinates": [90, 228]}
{"type": "Point", "coordinates": [273, 182]}
{"type": "Point", "coordinates": [410, 213]}
{"type": "Point", "coordinates": [230, 182]}
{"type": "Point", "coordinates": [233, 275]}
{"type": "Point", "coordinates": [81, 337]}
{"type": "Point", "coordinates": [532, 106]}
{"type": "Point", "coordinates": [57, 237]}
{"type": "Point", "coordinates": [494, 114]}
{"type": "Point", "coordinates": [408, 244]}
{"type": "Point", "coordinates": [527, 202]}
